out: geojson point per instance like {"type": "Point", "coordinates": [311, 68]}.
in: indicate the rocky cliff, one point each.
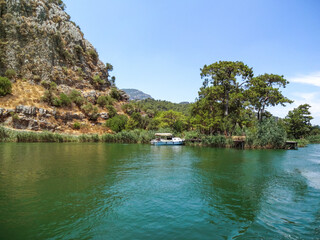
{"type": "Point", "coordinates": [52, 67]}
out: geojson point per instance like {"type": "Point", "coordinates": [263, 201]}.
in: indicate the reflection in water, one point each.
{"type": "Point", "coordinates": [111, 191]}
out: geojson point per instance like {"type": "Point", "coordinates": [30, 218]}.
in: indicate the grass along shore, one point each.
{"type": "Point", "coordinates": [144, 137]}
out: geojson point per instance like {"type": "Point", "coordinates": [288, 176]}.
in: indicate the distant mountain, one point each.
{"type": "Point", "coordinates": [135, 94]}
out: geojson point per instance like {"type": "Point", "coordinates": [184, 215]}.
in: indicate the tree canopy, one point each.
{"type": "Point", "coordinates": [231, 94]}
{"type": "Point", "coordinates": [263, 92]}
{"type": "Point", "coordinates": [298, 121]}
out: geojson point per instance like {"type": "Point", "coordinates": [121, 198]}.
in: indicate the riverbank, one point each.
{"type": "Point", "coordinates": [137, 136]}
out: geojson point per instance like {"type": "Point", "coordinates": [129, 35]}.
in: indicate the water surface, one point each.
{"type": "Point", "coordinates": [113, 191]}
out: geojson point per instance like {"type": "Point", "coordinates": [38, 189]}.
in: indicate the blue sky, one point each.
{"type": "Point", "coordinates": [159, 46]}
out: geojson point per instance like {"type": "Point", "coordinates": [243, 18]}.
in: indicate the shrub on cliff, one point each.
{"type": "Point", "coordinates": [104, 101]}
{"type": "Point", "coordinates": [76, 97]}
{"type": "Point", "coordinates": [10, 73]}
{"type": "Point", "coordinates": [90, 110]}
{"type": "Point", "coordinates": [5, 86]}
{"type": "Point", "coordinates": [65, 100]}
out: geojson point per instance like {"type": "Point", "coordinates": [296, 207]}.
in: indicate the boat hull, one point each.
{"type": "Point", "coordinates": [160, 143]}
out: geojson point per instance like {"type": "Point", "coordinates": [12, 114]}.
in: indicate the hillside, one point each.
{"type": "Point", "coordinates": [155, 106]}
{"type": "Point", "coordinates": [58, 80]}
{"type": "Point", "coordinates": [135, 94]}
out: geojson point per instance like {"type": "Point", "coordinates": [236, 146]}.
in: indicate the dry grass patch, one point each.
{"type": "Point", "coordinates": [23, 93]}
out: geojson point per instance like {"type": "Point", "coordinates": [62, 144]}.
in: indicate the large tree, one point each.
{"type": "Point", "coordinates": [224, 74]}
{"type": "Point", "coordinates": [263, 91]}
{"type": "Point", "coordinates": [221, 98]}
{"type": "Point", "coordinates": [298, 121]}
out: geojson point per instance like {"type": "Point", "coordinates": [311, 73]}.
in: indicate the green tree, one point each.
{"type": "Point", "coordinates": [172, 119]}
{"type": "Point", "coordinates": [223, 74]}
{"type": "Point", "coordinates": [221, 101]}
{"type": "Point", "coordinates": [263, 91]}
{"type": "Point", "coordinates": [117, 123]}
{"type": "Point", "coordinates": [5, 86]}
{"type": "Point", "coordinates": [298, 121]}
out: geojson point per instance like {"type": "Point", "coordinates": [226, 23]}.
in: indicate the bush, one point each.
{"type": "Point", "coordinates": [104, 101]}
{"type": "Point", "coordinates": [267, 134]}
{"type": "Point", "coordinates": [10, 73]}
{"type": "Point", "coordinates": [97, 80]}
{"type": "Point", "coordinates": [93, 54]}
{"type": "Point", "coordinates": [56, 102]}
{"type": "Point", "coordinates": [65, 100]}
{"type": "Point", "coordinates": [90, 110]}
{"type": "Point", "coordinates": [89, 138]}
{"type": "Point", "coordinates": [314, 139]}
{"type": "Point", "coordinates": [5, 86]}
{"type": "Point", "coordinates": [117, 123]}
{"type": "Point", "coordinates": [76, 125]}
{"type": "Point", "coordinates": [302, 142]}
{"type": "Point", "coordinates": [45, 84]}
{"type": "Point", "coordinates": [112, 111]}
{"type": "Point", "coordinates": [115, 94]}
{"type": "Point", "coordinates": [76, 97]}
{"type": "Point", "coordinates": [6, 135]}
{"type": "Point", "coordinates": [215, 141]}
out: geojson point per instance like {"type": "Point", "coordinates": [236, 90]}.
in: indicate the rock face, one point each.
{"type": "Point", "coordinates": [39, 42]}
{"type": "Point", "coordinates": [47, 51]}
{"type": "Point", "coordinates": [33, 118]}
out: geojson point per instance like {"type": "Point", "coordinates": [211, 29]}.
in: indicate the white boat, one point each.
{"type": "Point", "coordinates": [166, 139]}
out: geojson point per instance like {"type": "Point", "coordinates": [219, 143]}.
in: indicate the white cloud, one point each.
{"type": "Point", "coordinates": [311, 98]}
{"type": "Point", "coordinates": [312, 79]}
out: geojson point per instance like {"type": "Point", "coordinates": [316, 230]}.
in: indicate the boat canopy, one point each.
{"type": "Point", "coordinates": [164, 134]}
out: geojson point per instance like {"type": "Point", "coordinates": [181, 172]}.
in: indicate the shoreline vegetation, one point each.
{"type": "Point", "coordinates": [143, 137]}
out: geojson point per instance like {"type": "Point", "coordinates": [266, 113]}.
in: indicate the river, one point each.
{"type": "Point", "coordinates": [119, 191]}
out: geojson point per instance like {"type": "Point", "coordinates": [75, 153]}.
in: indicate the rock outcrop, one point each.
{"type": "Point", "coordinates": [39, 42]}
{"type": "Point", "coordinates": [44, 50]}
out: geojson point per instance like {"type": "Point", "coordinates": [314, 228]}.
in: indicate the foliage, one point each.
{"type": "Point", "coordinates": [173, 120]}
{"type": "Point", "coordinates": [214, 141]}
{"type": "Point", "coordinates": [314, 138]}
{"type": "Point", "coordinates": [76, 97]}
{"type": "Point", "coordinates": [109, 67]}
{"type": "Point", "coordinates": [90, 110]}
{"type": "Point", "coordinates": [115, 94]}
{"type": "Point", "coordinates": [5, 86]}
{"type": "Point", "coordinates": [221, 99]}
{"type": "Point", "coordinates": [267, 134]}
{"type": "Point", "coordinates": [93, 54]}
{"type": "Point", "coordinates": [129, 108]}
{"type": "Point", "coordinates": [315, 130]}
{"type": "Point", "coordinates": [89, 138]}
{"type": "Point", "coordinates": [97, 80]}
{"type": "Point", "coordinates": [10, 73]}
{"type": "Point", "coordinates": [117, 123]}
{"type": "Point", "coordinates": [152, 107]}
{"type": "Point", "coordinates": [105, 100]}
{"type": "Point", "coordinates": [111, 110]}
{"type": "Point", "coordinates": [137, 121]}
{"type": "Point", "coordinates": [298, 121]}
{"type": "Point", "coordinates": [65, 100]}
{"type": "Point", "coordinates": [56, 102]}
{"type": "Point", "coordinates": [223, 75]}
{"type": "Point", "coordinates": [263, 92]}
{"type": "Point", "coordinates": [76, 125]}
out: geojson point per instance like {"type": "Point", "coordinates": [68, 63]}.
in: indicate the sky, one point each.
{"type": "Point", "coordinates": [159, 46]}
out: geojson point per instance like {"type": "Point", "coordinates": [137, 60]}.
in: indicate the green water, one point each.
{"type": "Point", "coordinates": [111, 191]}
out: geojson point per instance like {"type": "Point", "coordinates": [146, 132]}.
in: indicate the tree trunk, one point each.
{"type": "Point", "coordinates": [226, 113]}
